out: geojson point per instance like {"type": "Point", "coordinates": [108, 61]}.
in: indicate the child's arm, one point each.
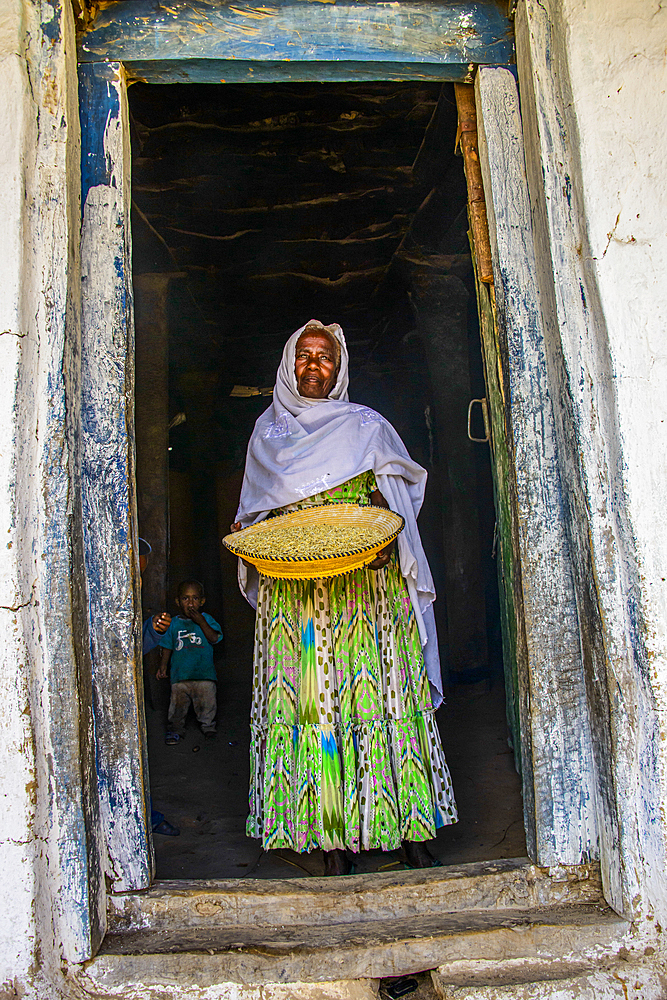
{"type": "Point", "coordinates": [210, 633]}
{"type": "Point", "coordinates": [164, 664]}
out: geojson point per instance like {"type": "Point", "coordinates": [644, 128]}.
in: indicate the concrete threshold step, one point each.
{"type": "Point", "coordinates": [505, 884]}
{"type": "Point", "coordinates": [209, 956]}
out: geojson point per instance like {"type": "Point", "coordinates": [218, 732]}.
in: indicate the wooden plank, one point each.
{"type": "Point", "coordinates": [354, 212]}
{"type": "Point", "coordinates": [507, 553]}
{"type": "Point", "coordinates": [562, 764]}
{"type": "Point", "coordinates": [467, 137]}
{"type": "Point", "coordinates": [108, 474]}
{"type": "Point", "coordinates": [276, 71]}
{"type": "Point", "coordinates": [297, 31]}
{"type": "Point", "coordinates": [248, 254]}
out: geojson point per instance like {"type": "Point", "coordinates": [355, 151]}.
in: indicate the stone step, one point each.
{"type": "Point", "coordinates": [506, 884]}
{"type": "Point", "coordinates": [618, 981]}
{"type": "Point", "coordinates": [208, 956]}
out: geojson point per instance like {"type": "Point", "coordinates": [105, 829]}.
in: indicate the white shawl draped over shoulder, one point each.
{"type": "Point", "coordinates": [302, 446]}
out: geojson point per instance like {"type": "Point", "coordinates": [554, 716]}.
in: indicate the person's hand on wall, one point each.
{"type": "Point", "coordinates": [161, 622]}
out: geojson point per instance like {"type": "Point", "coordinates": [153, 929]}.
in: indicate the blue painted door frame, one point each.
{"type": "Point", "coordinates": [207, 42]}
{"type": "Point", "coordinates": [108, 475]}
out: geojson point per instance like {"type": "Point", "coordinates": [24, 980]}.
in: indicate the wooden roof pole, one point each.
{"type": "Point", "coordinates": [467, 138]}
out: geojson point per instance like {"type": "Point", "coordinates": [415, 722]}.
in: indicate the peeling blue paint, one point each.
{"type": "Point", "coordinates": [98, 104]}
{"type": "Point", "coordinates": [551, 674]}
{"type": "Point", "coordinates": [205, 41]}
{"type": "Point", "coordinates": [568, 189]}
{"type": "Point", "coordinates": [107, 474]}
{"type": "Point", "coordinates": [51, 28]}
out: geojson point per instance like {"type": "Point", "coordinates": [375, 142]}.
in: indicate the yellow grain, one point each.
{"type": "Point", "coordinates": [310, 541]}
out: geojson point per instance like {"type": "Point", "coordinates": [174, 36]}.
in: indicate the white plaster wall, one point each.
{"type": "Point", "coordinates": [618, 70]}
{"type": "Point", "coordinates": [18, 847]}
{"type": "Point", "coordinates": [43, 887]}
{"type": "Point", "coordinates": [597, 68]}
{"type": "Point", "coordinates": [618, 76]}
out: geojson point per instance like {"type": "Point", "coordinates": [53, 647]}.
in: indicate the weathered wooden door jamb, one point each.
{"type": "Point", "coordinates": [558, 774]}
{"type": "Point", "coordinates": [108, 475]}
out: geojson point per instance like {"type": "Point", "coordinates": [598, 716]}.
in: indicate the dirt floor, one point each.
{"type": "Point", "coordinates": [202, 785]}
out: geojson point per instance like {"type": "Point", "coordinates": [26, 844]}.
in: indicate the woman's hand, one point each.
{"type": "Point", "coordinates": [383, 557]}
{"type": "Point", "coordinates": [378, 500]}
{"type": "Point", "coordinates": [237, 526]}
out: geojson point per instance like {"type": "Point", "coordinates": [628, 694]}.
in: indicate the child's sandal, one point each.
{"type": "Point", "coordinates": [171, 739]}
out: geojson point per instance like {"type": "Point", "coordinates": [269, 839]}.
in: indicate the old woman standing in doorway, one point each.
{"type": "Point", "coordinates": [345, 751]}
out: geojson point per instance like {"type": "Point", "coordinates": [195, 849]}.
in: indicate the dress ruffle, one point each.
{"type": "Point", "coordinates": [360, 785]}
{"type": "Point", "coordinates": [345, 751]}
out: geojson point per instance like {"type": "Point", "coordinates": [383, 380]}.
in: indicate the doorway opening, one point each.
{"type": "Point", "coordinates": [257, 207]}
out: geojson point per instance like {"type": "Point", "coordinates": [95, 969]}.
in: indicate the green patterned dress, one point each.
{"type": "Point", "coordinates": [345, 752]}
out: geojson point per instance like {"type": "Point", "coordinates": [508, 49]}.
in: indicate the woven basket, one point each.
{"type": "Point", "coordinates": [332, 563]}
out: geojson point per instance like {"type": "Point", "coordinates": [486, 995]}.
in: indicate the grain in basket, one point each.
{"type": "Point", "coordinates": [310, 541]}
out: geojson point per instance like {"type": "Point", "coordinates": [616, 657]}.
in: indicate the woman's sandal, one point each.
{"type": "Point", "coordinates": [171, 739]}
{"type": "Point", "coordinates": [423, 858]}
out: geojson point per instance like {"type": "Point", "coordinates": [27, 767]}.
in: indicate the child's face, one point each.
{"type": "Point", "coordinates": [190, 599]}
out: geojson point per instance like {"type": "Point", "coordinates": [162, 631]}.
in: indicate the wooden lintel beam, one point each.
{"type": "Point", "coordinates": [272, 71]}
{"type": "Point", "coordinates": [435, 33]}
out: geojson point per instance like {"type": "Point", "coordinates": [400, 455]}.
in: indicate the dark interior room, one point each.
{"type": "Point", "coordinates": [257, 207]}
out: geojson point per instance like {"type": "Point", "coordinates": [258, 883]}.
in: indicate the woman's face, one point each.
{"type": "Point", "coordinates": [315, 365]}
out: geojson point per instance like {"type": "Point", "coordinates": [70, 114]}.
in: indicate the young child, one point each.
{"type": "Point", "coordinates": [188, 643]}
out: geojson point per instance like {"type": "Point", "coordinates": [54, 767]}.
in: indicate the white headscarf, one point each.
{"type": "Point", "coordinates": [302, 446]}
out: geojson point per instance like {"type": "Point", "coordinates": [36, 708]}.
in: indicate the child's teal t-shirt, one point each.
{"type": "Point", "coordinates": [192, 653]}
